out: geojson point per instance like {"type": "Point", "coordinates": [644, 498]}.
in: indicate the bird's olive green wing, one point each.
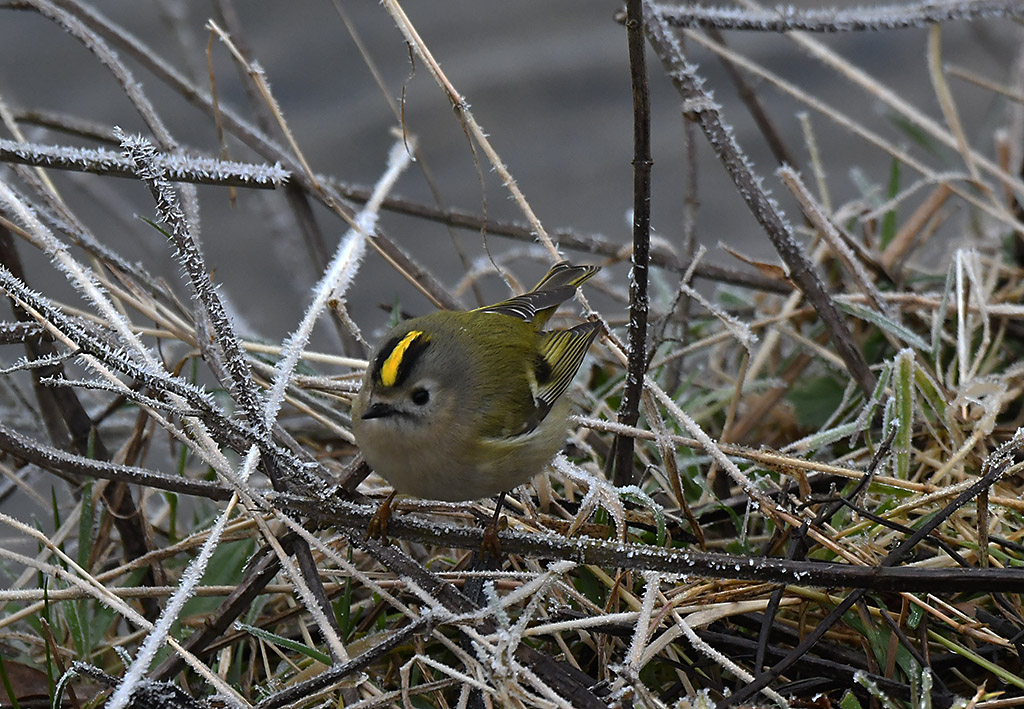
{"type": "Point", "coordinates": [562, 353]}
{"type": "Point", "coordinates": [558, 359]}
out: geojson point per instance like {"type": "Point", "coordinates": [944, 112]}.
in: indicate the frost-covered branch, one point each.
{"type": "Point", "coordinates": [784, 18]}
{"type": "Point", "coordinates": [142, 156]}
{"type": "Point", "coordinates": [643, 557]}
{"type": "Point", "coordinates": [52, 459]}
{"type": "Point", "coordinates": [177, 168]}
{"type": "Point", "coordinates": [91, 343]}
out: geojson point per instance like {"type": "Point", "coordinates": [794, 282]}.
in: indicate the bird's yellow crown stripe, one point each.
{"type": "Point", "coordinates": [389, 368]}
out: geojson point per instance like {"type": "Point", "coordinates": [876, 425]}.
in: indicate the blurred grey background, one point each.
{"type": "Point", "coordinates": [548, 81]}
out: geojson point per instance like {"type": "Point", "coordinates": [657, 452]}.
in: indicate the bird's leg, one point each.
{"type": "Point", "coordinates": [378, 526]}
{"type": "Point", "coordinates": [491, 544]}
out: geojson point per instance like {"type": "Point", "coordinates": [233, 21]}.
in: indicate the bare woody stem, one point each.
{"type": "Point", "coordinates": [629, 408]}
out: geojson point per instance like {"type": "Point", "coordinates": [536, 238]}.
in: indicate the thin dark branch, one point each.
{"type": "Point", "coordinates": [566, 238]}
{"type": "Point", "coordinates": [52, 459]}
{"type": "Point", "coordinates": [67, 124]}
{"type": "Point", "coordinates": [311, 575]}
{"type": "Point", "coordinates": [621, 459]}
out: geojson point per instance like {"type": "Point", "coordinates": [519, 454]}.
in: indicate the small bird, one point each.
{"type": "Point", "coordinates": [460, 405]}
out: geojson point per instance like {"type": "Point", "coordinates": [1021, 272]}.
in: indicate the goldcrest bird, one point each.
{"type": "Point", "coordinates": [460, 405]}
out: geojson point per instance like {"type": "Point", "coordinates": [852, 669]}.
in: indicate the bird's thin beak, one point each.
{"type": "Point", "coordinates": [379, 410]}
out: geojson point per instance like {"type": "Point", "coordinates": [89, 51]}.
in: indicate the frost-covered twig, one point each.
{"type": "Point", "coordinates": [454, 601]}
{"type": "Point", "coordinates": [336, 279]}
{"type": "Point", "coordinates": [89, 342]}
{"type": "Point", "coordinates": [142, 156]}
{"type": "Point", "coordinates": [821, 221]}
{"type": "Point", "coordinates": [94, 348]}
{"type": "Point", "coordinates": [178, 168]}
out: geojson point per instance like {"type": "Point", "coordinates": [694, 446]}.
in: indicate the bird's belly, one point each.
{"type": "Point", "coordinates": [432, 475]}
{"type": "Point", "coordinates": [433, 471]}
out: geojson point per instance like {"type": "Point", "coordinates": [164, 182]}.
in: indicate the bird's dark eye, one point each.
{"type": "Point", "coordinates": [420, 397]}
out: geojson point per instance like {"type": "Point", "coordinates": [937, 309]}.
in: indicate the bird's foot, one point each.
{"type": "Point", "coordinates": [491, 544]}
{"type": "Point", "coordinates": [378, 526]}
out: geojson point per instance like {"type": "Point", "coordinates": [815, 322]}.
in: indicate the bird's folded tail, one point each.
{"type": "Point", "coordinates": [538, 305]}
